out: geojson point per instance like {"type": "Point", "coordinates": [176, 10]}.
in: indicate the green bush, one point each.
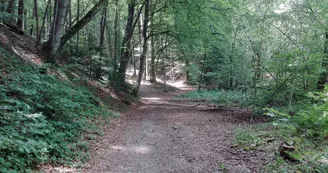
{"type": "Point", "coordinates": [41, 117]}
{"type": "Point", "coordinates": [310, 121]}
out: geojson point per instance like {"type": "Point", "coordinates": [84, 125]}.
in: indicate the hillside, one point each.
{"type": "Point", "coordinates": [48, 114]}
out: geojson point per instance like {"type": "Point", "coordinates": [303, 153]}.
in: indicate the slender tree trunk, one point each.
{"type": "Point", "coordinates": [152, 62]}
{"type": "Point", "coordinates": [134, 67]}
{"type": "Point", "coordinates": [152, 55]}
{"type": "Point", "coordinates": [43, 23]}
{"type": "Point", "coordinates": [10, 8]}
{"type": "Point", "coordinates": [116, 36]}
{"type": "Point", "coordinates": [50, 20]}
{"type": "Point", "coordinates": [126, 45]}
{"type": "Point", "coordinates": [77, 34]}
{"type": "Point", "coordinates": [101, 40]}
{"type": "Point", "coordinates": [323, 77]}
{"type": "Point", "coordinates": [203, 70]}
{"type": "Point", "coordinates": [102, 30]}
{"type": "Point", "coordinates": [231, 81]}
{"type": "Point", "coordinates": [36, 15]}
{"type": "Point", "coordinates": [187, 69]}
{"type": "Point", "coordinates": [70, 14]}
{"type": "Point", "coordinates": [163, 62]}
{"type": "Point", "coordinates": [25, 20]}
{"type": "Point", "coordinates": [109, 42]}
{"type": "Point", "coordinates": [20, 14]}
{"type": "Point", "coordinates": [32, 25]}
{"type": "Point", "coordinates": [144, 50]}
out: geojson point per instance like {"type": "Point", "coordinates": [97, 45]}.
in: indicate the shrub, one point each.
{"type": "Point", "coordinates": [310, 121]}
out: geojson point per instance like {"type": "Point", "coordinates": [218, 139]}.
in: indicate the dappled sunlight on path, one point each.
{"type": "Point", "coordinates": [166, 136]}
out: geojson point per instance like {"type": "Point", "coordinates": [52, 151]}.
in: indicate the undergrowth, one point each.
{"type": "Point", "coordinates": [226, 97]}
{"type": "Point", "coordinates": [268, 137]}
{"type": "Point", "coordinates": [42, 118]}
{"type": "Point", "coordinates": [310, 153]}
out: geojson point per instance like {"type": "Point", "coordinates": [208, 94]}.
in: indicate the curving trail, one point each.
{"type": "Point", "coordinates": [163, 135]}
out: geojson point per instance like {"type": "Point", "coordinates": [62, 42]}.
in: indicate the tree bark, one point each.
{"type": "Point", "coordinates": [20, 14]}
{"type": "Point", "coordinates": [116, 36]}
{"type": "Point", "coordinates": [152, 45]}
{"type": "Point", "coordinates": [77, 34]}
{"type": "Point", "coordinates": [126, 45]}
{"type": "Point", "coordinates": [11, 5]}
{"type": "Point", "coordinates": [152, 61]}
{"type": "Point", "coordinates": [102, 30]}
{"type": "Point", "coordinates": [36, 15]}
{"type": "Point", "coordinates": [323, 76]}
{"type": "Point", "coordinates": [144, 49]}
{"type": "Point", "coordinates": [101, 41]}
{"type": "Point", "coordinates": [57, 31]}
{"type": "Point", "coordinates": [42, 30]}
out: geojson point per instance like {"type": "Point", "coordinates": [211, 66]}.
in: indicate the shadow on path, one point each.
{"type": "Point", "coordinates": [166, 136]}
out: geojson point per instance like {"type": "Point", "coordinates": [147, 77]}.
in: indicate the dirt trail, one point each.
{"type": "Point", "coordinates": [166, 136]}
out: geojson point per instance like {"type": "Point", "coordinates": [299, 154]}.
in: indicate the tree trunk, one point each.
{"type": "Point", "coordinates": [42, 30]}
{"type": "Point", "coordinates": [144, 50]}
{"type": "Point", "coordinates": [126, 45]}
{"type": "Point", "coordinates": [102, 30]}
{"type": "Point", "coordinates": [11, 6]}
{"type": "Point", "coordinates": [323, 77]}
{"type": "Point", "coordinates": [152, 45]}
{"type": "Point", "coordinates": [77, 34]}
{"type": "Point", "coordinates": [116, 36]}
{"type": "Point", "coordinates": [81, 23]}
{"type": "Point", "coordinates": [57, 42]}
{"type": "Point", "coordinates": [231, 81]}
{"type": "Point", "coordinates": [20, 14]}
{"type": "Point", "coordinates": [152, 62]}
{"type": "Point", "coordinates": [36, 15]}
{"type": "Point", "coordinates": [10, 10]}
{"type": "Point", "coordinates": [32, 25]}
{"type": "Point", "coordinates": [57, 31]}
{"type": "Point", "coordinates": [101, 40]}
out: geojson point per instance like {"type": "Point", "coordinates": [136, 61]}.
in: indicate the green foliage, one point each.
{"type": "Point", "coordinates": [4, 15]}
{"type": "Point", "coordinates": [227, 97]}
{"type": "Point", "coordinates": [41, 117]}
{"type": "Point", "coordinates": [312, 120]}
{"type": "Point", "coordinates": [222, 167]}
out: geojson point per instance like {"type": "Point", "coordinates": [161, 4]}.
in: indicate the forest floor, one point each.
{"type": "Point", "coordinates": [164, 134]}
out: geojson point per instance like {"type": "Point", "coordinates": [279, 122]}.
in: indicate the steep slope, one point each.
{"type": "Point", "coordinates": [47, 114]}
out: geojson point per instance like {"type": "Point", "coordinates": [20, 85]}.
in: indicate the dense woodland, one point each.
{"type": "Point", "coordinates": [267, 55]}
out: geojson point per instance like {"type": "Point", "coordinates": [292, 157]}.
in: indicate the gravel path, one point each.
{"type": "Point", "coordinates": [162, 135]}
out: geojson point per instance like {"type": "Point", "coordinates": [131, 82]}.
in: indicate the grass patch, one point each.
{"type": "Point", "coordinates": [42, 118]}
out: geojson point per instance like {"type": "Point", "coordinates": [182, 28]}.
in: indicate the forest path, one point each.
{"type": "Point", "coordinates": [163, 135]}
